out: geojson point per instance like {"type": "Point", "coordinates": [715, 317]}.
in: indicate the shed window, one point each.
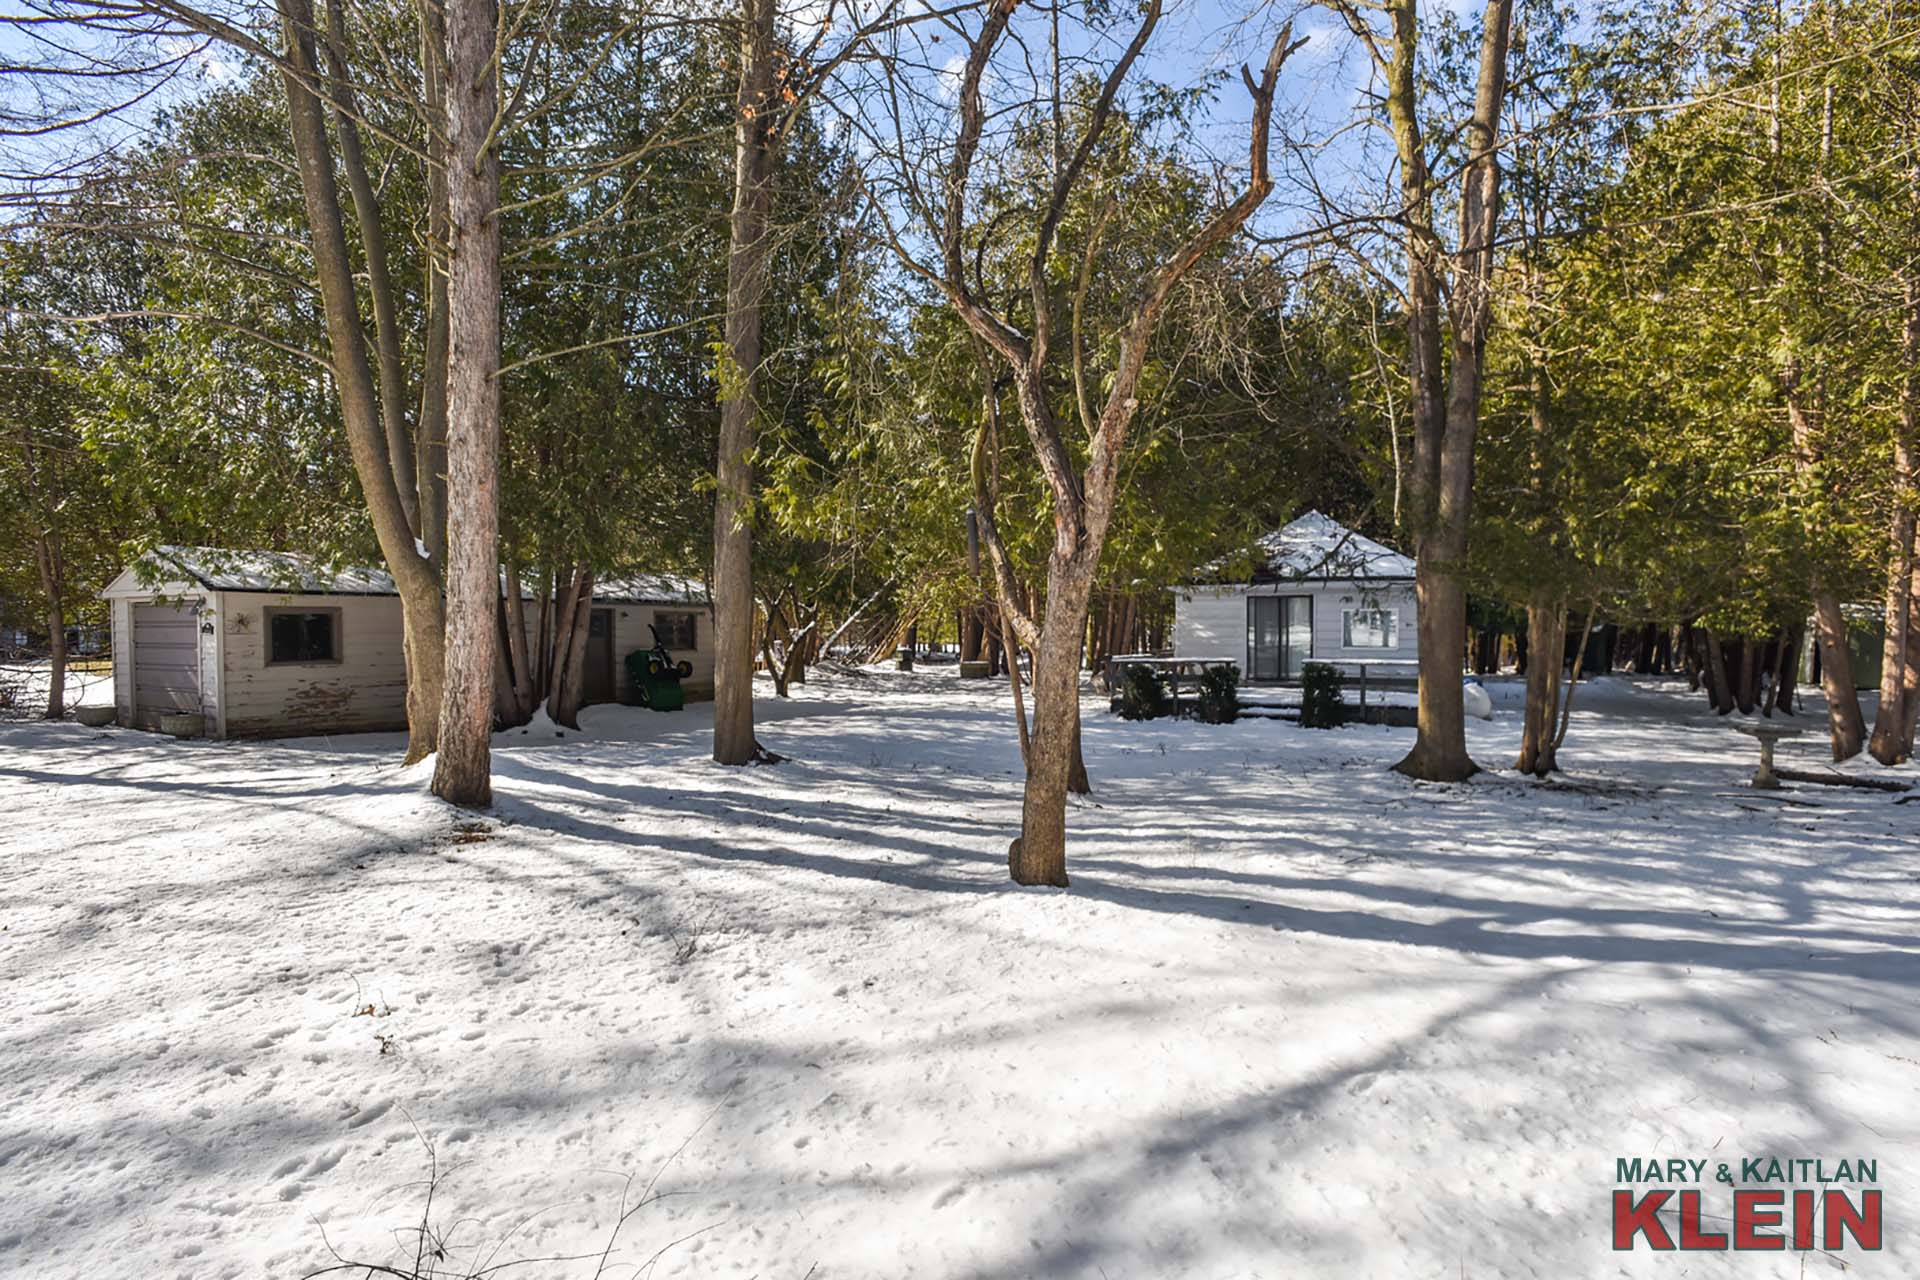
{"type": "Point", "coordinates": [303, 636]}
{"type": "Point", "coordinates": [1371, 628]}
{"type": "Point", "coordinates": [677, 630]}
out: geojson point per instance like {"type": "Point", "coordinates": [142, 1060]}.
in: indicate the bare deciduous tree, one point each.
{"type": "Point", "coordinates": [1081, 497]}
{"type": "Point", "coordinates": [1446, 389]}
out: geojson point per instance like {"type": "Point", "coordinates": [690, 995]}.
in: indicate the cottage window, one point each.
{"type": "Point", "coordinates": [1371, 628]}
{"type": "Point", "coordinates": [295, 635]}
{"type": "Point", "coordinates": [677, 630]}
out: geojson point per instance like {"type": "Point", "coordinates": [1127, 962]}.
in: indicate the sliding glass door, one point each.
{"type": "Point", "coordinates": [1279, 636]}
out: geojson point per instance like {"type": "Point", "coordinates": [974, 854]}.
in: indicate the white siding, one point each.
{"type": "Point", "coordinates": [365, 690]}
{"type": "Point", "coordinates": [1330, 603]}
{"type": "Point", "coordinates": [630, 623]}
{"type": "Point", "coordinates": [244, 696]}
{"type": "Point", "coordinates": [123, 660]}
{"type": "Point", "coordinates": [210, 681]}
{"type": "Point", "coordinates": [1211, 622]}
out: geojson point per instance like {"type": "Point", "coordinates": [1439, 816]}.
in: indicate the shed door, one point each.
{"type": "Point", "coordinates": [597, 683]}
{"type": "Point", "coordinates": [166, 662]}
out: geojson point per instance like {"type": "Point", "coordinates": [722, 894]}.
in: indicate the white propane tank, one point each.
{"type": "Point", "coordinates": [1478, 702]}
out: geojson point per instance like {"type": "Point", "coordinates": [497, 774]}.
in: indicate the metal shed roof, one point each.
{"type": "Point", "coordinates": [289, 573]}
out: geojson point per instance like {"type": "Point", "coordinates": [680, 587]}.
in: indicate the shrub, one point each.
{"type": "Point", "coordinates": [1219, 701]}
{"type": "Point", "coordinates": [1321, 706]}
{"type": "Point", "coordinates": [1143, 694]}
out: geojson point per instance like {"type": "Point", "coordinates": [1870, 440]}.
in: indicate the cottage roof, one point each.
{"type": "Point", "coordinates": [289, 573]}
{"type": "Point", "coordinates": [651, 588]}
{"type": "Point", "coordinates": [1316, 547]}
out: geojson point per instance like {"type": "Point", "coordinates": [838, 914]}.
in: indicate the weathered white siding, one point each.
{"type": "Point", "coordinates": [630, 623]}
{"type": "Point", "coordinates": [243, 695]}
{"type": "Point", "coordinates": [365, 690]}
{"type": "Point", "coordinates": [1211, 622]}
{"type": "Point", "coordinates": [123, 660]}
{"type": "Point", "coordinates": [1330, 603]}
{"type": "Point", "coordinates": [210, 673]}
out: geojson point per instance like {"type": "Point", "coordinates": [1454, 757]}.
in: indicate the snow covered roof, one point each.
{"type": "Point", "coordinates": [220, 569]}
{"type": "Point", "coordinates": [288, 573]}
{"type": "Point", "coordinates": [1318, 547]}
{"type": "Point", "coordinates": [651, 588]}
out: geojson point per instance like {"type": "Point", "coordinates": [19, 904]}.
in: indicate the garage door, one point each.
{"type": "Point", "coordinates": [166, 662]}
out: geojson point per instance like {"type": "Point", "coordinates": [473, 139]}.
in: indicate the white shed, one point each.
{"type": "Point", "coordinates": [1318, 592]}
{"type": "Point", "coordinates": [269, 644]}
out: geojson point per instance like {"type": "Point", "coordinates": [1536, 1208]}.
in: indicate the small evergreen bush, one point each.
{"type": "Point", "coordinates": [1219, 701]}
{"type": "Point", "coordinates": [1321, 706]}
{"type": "Point", "coordinates": [1143, 694]}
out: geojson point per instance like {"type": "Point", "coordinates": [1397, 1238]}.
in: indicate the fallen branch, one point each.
{"type": "Point", "coordinates": [1842, 780]}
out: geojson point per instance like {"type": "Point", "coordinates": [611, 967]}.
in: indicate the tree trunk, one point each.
{"type": "Point", "coordinates": [46, 548]}
{"type": "Point", "coordinates": [1891, 743]}
{"type": "Point", "coordinates": [1077, 780]}
{"type": "Point", "coordinates": [430, 435]}
{"type": "Point", "coordinates": [1573, 680]}
{"type": "Point", "coordinates": [463, 771]}
{"type": "Point", "coordinates": [379, 282]}
{"type": "Point", "coordinates": [1440, 743]}
{"type": "Point", "coordinates": [1010, 649]}
{"type": "Point", "coordinates": [422, 610]}
{"type": "Point", "coordinates": [1546, 640]}
{"type": "Point", "coordinates": [776, 667]}
{"type": "Point", "coordinates": [572, 622]}
{"type": "Point", "coordinates": [1746, 688]}
{"type": "Point", "coordinates": [1845, 725]}
{"type": "Point", "coordinates": [733, 602]}
{"type": "Point", "coordinates": [1719, 691]}
{"type": "Point", "coordinates": [1911, 686]}
{"type": "Point", "coordinates": [1784, 672]}
{"type": "Point", "coordinates": [518, 687]}
{"type": "Point", "coordinates": [1039, 855]}
{"type": "Point", "coordinates": [543, 633]}
{"type": "Point", "coordinates": [1444, 425]}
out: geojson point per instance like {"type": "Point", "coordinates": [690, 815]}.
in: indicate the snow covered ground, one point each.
{"type": "Point", "coordinates": [27, 682]}
{"type": "Point", "coordinates": [1296, 1017]}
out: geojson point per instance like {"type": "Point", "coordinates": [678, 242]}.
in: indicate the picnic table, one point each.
{"type": "Point", "coordinates": [1172, 668]}
{"type": "Point", "coordinates": [1764, 778]}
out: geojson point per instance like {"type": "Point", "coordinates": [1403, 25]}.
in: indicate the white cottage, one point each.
{"type": "Point", "coordinates": [1318, 592]}
{"type": "Point", "coordinates": [268, 644]}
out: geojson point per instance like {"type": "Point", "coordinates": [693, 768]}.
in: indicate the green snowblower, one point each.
{"type": "Point", "coordinates": [656, 676]}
